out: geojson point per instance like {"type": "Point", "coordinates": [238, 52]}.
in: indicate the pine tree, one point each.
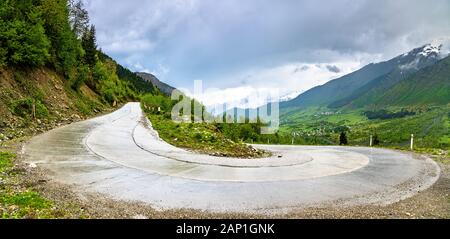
{"type": "Point", "coordinates": [89, 43]}
{"type": "Point", "coordinates": [376, 140]}
{"type": "Point", "coordinates": [66, 50]}
{"type": "Point", "coordinates": [343, 138]}
{"type": "Point", "coordinates": [78, 18]}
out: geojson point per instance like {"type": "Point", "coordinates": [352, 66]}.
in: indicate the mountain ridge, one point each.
{"type": "Point", "coordinates": [162, 86]}
{"type": "Point", "coordinates": [367, 82]}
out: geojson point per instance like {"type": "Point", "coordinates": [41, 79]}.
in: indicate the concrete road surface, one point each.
{"type": "Point", "coordinates": [121, 156]}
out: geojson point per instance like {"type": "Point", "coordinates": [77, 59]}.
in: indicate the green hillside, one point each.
{"type": "Point", "coordinates": [413, 97]}
{"type": "Point", "coordinates": [367, 84]}
{"type": "Point", "coordinates": [340, 88]}
{"type": "Point", "coordinates": [51, 72]}
{"type": "Point", "coordinates": [372, 91]}
{"type": "Point", "coordinates": [430, 86]}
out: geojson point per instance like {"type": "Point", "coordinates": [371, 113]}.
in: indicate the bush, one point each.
{"type": "Point", "coordinates": [376, 140]}
{"type": "Point", "coordinates": [22, 36]}
{"type": "Point", "coordinates": [24, 108]}
{"type": "Point", "coordinates": [343, 139]}
{"type": "Point", "coordinates": [3, 56]}
{"type": "Point", "coordinates": [384, 114]}
{"type": "Point", "coordinates": [81, 78]}
{"type": "Point", "coordinates": [152, 102]}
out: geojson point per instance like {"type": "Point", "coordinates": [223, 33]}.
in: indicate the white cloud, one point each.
{"type": "Point", "coordinates": [127, 46]}
{"type": "Point", "coordinates": [161, 70]}
{"type": "Point", "coordinates": [285, 80]}
{"type": "Point", "coordinates": [237, 44]}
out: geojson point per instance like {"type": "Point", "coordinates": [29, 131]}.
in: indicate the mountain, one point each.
{"type": "Point", "coordinates": [431, 85]}
{"type": "Point", "coordinates": [290, 96]}
{"type": "Point", "coordinates": [364, 86]}
{"type": "Point", "coordinates": [372, 93]}
{"type": "Point", "coordinates": [163, 87]}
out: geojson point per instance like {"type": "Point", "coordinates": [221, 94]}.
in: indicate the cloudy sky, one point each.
{"type": "Point", "coordinates": [240, 46]}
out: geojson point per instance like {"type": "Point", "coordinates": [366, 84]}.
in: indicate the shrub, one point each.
{"type": "Point", "coordinates": [343, 138]}
{"type": "Point", "coordinates": [81, 78]}
{"type": "Point", "coordinates": [26, 44]}
{"type": "Point", "coordinates": [24, 108]}
{"type": "Point", "coordinates": [152, 102]}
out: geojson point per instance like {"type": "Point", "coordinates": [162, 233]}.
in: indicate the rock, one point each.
{"type": "Point", "coordinates": [139, 216]}
{"type": "Point", "coordinates": [32, 165]}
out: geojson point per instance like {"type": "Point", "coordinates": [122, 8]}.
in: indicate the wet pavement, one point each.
{"type": "Point", "coordinates": [121, 156]}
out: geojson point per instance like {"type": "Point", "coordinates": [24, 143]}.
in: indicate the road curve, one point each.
{"type": "Point", "coordinates": [121, 156]}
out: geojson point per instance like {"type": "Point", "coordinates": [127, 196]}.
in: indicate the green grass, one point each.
{"type": "Point", "coordinates": [17, 202]}
{"type": "Point", "coordinates": [28, 204]}
{"type": "Point", "coordinates": [430, 127]}
{"type": "Point", "coordinates": [24, 108]}
{"type": "Point", "coordinates": [201, 137]}
{"type": "Point", "coordinates": [5, 161]}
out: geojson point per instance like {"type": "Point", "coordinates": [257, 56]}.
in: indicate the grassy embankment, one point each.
{"type": "Point", "coordinates": [17, 200]}
{"type": "Point", "coordinates": [208, 138]}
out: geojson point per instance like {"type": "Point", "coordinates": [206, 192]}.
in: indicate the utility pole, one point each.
{"type": "Point", "coordinates": [412, 141]}
{"type": "Point", "coordinates": [371, 140]}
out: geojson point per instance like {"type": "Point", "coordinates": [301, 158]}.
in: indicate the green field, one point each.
{"type": "Point", "coordinates": [429, 125]}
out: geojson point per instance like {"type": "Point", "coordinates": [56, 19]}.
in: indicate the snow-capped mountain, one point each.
{"type": "Point", "coordinates": [368, 83]}
{"type": "Point", "coordinates": [419, 57]}
{"type": "Point", "coordinates": [427, 50]}
{"type": "Point", "coordinates": [430, 50]}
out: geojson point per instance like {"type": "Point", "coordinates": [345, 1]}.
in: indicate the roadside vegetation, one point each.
{"type": "Point", "coordinates": [16, 199]}
{"type": "Point", "coordinates": [51, 74]}
{"type": "Point", "coordinates": [51, 71]}
{"type": "Point", "coordinates": [390, 127]}
{"type": "Point", "coordinates": [217, 139]}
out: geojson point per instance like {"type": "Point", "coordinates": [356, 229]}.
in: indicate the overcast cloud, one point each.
{"type": "Point", "coordinates": [290, 44]}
